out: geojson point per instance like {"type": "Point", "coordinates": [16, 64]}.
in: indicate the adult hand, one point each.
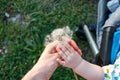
{"type": "Point", "coordinates": [46, 64]}
{"type": "Point", "coordinates": [49, 56]}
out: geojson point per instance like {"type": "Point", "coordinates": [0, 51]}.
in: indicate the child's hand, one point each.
{"type": "Point", "coordinates": [69, 56]}
{"type": "Point", "coordinates": [75, 47]}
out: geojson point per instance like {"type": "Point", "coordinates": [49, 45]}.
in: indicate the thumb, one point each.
{"type": "Point", "coordinates": [51, 47]}
{"type": "Point", "coordinates": [74, 45]}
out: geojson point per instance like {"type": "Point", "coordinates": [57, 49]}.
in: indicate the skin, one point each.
{"type": "Point", "coordinates": [75, 47]}
{"type": "Point", "coordinates": [68, 55]}
{"type": "Point", "coordinates": [46, 64]}
{"type": "Point", "coordinates": [70, 58]}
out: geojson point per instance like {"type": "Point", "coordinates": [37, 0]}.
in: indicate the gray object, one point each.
{"type": "Point", "coordinates": [91, 41]}
{"type": "Point", "coordinates": [113, 5]}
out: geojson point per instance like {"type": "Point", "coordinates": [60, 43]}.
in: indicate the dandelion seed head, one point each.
{"type": "Point", "coordinates": [59, 34]}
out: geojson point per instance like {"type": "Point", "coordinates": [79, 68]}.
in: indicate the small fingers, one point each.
{"type": "Point", "coordinates": [69, 48]}
{"type": "Point", "coordinates": [80, 52]}
{"type": "Point", "coordinates": [62, 51]}
{"type": "Point", "coordinates": [67, 53]}
{"type": "Point", "coordinates": [74, 45]}
{"type": "Point", "coordinates": [61, 54]}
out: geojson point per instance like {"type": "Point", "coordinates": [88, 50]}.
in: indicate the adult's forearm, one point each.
{"type": "Point", "coordinates": [36, 73]}
{"type": "Point", "coordinates": [40, 72]}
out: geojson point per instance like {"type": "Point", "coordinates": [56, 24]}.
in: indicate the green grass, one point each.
{"type": "Point", "coordinates": [25, 43]}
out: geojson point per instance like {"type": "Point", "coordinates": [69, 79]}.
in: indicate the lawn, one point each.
{"type": "Point", "coordinates": [24, 25]}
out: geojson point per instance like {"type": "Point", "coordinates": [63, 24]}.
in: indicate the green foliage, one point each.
{"type": "Point", "coordinates": [24, 43]}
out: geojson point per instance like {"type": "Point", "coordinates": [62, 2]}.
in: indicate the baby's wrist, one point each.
{"type": "Point", "coordinates": [78, 66]}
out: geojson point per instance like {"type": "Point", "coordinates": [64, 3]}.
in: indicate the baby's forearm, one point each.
{"type": "Point", "coordinates": [89, 71]}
